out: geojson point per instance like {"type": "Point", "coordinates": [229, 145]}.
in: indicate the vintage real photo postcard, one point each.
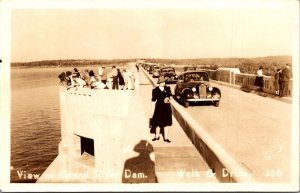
{"type": "Point", "coordinates": [149, 95]}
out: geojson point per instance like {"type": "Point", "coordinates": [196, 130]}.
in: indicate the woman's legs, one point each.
{"type": "Point", "coordinates": [157, 132]}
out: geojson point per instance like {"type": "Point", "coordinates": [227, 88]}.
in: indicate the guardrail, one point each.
{"type": "Point", "coordinates": [246, 80]}
{"type": "Point", "coordinates": [221, 163]}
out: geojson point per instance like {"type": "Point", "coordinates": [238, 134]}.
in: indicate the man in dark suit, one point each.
{"type": "Point", "coordinates": [285, 78]}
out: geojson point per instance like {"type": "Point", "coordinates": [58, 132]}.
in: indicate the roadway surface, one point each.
{"type": "Point", "coordinates": [254, 130]}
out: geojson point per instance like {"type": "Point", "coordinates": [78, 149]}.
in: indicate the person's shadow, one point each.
{"type": "Point", "coordinates": [140, 169]}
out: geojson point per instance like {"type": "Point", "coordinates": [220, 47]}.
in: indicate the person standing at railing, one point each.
{"type": "Point", "coordinates": [103, 74]}
{"type": "Point", "coordinates": [286, 75]}
{"type": "Point", "coordinates": [121, 80]}
{"type": "Point", "coordinates": [277, 82]}
{"type": "Point", "coordinates": [86, 76]}
{"type": "Point", "coordinates": [259, 82]}
{"type": "Point", "coordinates": [114, 73]}
{"type": "Point", "coordinates": [161, 109]}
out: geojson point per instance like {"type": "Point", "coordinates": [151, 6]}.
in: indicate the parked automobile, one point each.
{"type": "Point", "coordinates": [151, 67]}
{"type": "Point", "coordinates": [189, 68]}
{"type": "Point", "coordinates": [170, 73]}
{"type": "Point", "coordinates": [193, 87]}
{"type": "Point", "coordinates": [156, 72]}
{"type": "Point", "coordinates": [147, 67]}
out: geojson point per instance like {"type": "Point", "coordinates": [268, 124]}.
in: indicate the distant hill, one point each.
{"type": "Point", "coordinates": [68, 63]}
{"type": "Point", "coordinates": [246, 65]}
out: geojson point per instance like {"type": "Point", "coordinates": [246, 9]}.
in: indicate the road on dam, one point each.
{"type": "Point", "coordinates": [254, 130]}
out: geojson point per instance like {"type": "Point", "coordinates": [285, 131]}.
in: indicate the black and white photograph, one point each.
{"type": "Point", "coordinates": [149, 95]}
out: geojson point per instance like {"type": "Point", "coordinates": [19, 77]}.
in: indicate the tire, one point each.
{"type": "Point", "coordinates": [186, 104]}
{"type": "Point", "coordinates": [217, 103]}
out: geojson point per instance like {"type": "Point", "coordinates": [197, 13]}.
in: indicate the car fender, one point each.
{"type": "Point", "coordinates": [216, 90]}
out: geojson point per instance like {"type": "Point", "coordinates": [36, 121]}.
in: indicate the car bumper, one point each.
{"type": "Point", "coordinates": [200, 100]}
{"type": "Point", "coordinates": [171, 80]}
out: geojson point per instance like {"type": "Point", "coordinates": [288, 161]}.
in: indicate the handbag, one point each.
{"type": "Point", "coordinates": [150, 122]}
{"type": "Point", "coordinates": [152, 129]}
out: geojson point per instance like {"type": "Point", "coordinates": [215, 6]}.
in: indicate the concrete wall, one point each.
{"type": "Point", "coordinates": [87, 113]}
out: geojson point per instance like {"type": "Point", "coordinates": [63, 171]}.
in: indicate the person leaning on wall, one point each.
{"type": "Point", "coordinates": [277, 82]}
{"type": "Point", "coordinates": [285, 79]}
{"type": "Point", "coordinates": [161, 110]}
{"type": "Point", "coordinates": [115, 83]}
{"type": "Point", "coordinates": [259, 82]}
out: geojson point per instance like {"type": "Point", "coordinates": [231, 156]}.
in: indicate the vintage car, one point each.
{"type": "Point", "coordinates": [193, 87]}
{"type": "Point", "coordinates": [189, 68]}
{"type": "Point", "coordinates": [147, 67]}
{"type": "Point", "coordinates": [169, 72]}
{"type": "Point", "coordinates": [156, 72]}
{"type": "Point", "coordinates": [151, 67]}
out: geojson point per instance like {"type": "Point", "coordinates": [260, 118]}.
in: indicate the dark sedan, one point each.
{"type": "Point", "coordinates": [169, 72]}
{"type": "Point", "coordinates": [193, 87]}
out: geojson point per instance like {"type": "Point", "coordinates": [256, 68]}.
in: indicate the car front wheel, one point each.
{"type": "Point", "coordinates": [217, 103]}
{"type": "Point", "coordinates": [186, 104]}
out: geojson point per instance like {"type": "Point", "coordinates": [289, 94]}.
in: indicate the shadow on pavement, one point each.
{"type": "Point", "coordinates": [140, 169]}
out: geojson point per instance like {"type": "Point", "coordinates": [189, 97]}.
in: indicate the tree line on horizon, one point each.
{"type": "Point", "coordinates": [246, 65]}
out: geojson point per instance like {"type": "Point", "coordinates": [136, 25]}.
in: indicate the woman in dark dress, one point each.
{"type": "Point", "coordinates": [259, 81]}
{"type": "Point", "coordinates": [162, 115]}
{"type": "Point", "coordinates": [121, 79]}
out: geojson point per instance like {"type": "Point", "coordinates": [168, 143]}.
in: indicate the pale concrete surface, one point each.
{"type": "Point", "coordinates": [255, 130]}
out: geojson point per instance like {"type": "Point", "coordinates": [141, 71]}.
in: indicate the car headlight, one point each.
{"type": "Point", "coordinates": [194, 89]}
{"type": "Point", "coordinates": [210, 88]}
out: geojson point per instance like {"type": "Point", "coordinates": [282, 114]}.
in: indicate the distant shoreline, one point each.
{"type": "Point", "coordinates": [246, 65]}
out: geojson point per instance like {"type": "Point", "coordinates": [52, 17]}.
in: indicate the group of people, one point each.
{"type": "Point", "coordinates": [281, 80]}
{"type": "Point", "coordinates": [114, 78]}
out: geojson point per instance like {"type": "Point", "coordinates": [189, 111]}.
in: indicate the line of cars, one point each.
{"type": "Point", "coordinates": [192, 85]}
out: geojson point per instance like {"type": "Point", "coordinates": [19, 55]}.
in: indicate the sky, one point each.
{"type": "Point", "coordinates": [160, 32]}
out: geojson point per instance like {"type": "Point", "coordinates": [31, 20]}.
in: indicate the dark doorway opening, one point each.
{"type": "Point", "coordinates": [87, 145]}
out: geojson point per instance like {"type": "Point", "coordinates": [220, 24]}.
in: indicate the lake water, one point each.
{"type": "Point", "coordinates": [35, 121]}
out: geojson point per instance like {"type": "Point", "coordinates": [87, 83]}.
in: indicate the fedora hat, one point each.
{"type": "Point", "coordinates": [143, 147]}
{"type": "Point", "coordinates": [161, 79]}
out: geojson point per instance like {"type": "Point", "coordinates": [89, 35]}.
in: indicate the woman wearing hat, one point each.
{"type": "Point", "coordinates": [161, 109]}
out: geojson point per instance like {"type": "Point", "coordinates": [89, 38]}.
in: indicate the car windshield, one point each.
{"type": "Point", "coordinates": [195, 77]}
{"type": "Point", "coordinates": [190, 68]}
{"type": "Point", "coordinates": [167, 70]}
